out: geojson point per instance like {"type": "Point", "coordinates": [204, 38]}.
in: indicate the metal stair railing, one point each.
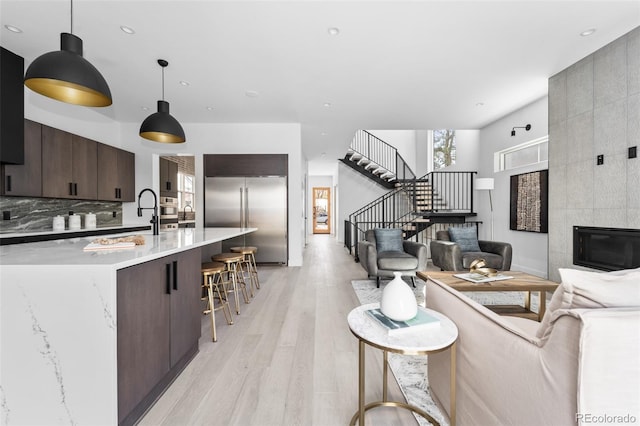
{"type": "Point", "coordinates": [443, 192]}
{"type": "Point", "coordinates": [378, 152]}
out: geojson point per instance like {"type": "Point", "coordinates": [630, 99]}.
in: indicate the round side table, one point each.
{"type": "Point", "coordinates": [423, 341]}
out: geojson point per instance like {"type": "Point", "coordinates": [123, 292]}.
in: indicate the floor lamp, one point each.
{"type": "Point", "coordinates": [486, 184]}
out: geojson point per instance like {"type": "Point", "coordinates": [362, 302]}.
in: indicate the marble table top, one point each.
{"type": "Point", "coordinates": [420, 342]}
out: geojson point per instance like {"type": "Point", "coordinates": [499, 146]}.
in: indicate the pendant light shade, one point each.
{"type": "Point", "coordinates": [66, 76]}
{"type": "Point", "coordinates": [161, 126]}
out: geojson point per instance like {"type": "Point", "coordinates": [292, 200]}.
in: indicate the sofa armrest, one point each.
{"type": "Point", "coordinates": [417, 250]}
{"type": "Point", "coordinates": [446, 255]}
{"type": "Point", "coordinates": [500, 248]}
{"type": "Point", "coordinates": [368, 257]}
{"type": "Point", "coordinates": [504, 374]}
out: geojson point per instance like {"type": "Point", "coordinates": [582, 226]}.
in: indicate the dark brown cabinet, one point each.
{"type": "Point", "coordinates": [168, 178]}
{"type": "Point", "coordinates": [11, 107]}
{"type": "Point", "coordinates": [158, 308]}
{"type": "Point", "coordinates": [116, 174]}
{"type": "Point", "coordinates": [26, 179]}
{"type": "Point", "coordinates": [69, 165]}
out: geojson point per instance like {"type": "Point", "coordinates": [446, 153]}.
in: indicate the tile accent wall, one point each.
{"type": "Point", "coordinates": [36, 214]}
{"type": "Point", "coordinates": [594, 109]}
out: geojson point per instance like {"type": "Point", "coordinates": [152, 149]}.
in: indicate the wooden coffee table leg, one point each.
{"type": "Point", "coordinates": [527, 300]}
{"type": "Point", "coordinates": [542, 305]}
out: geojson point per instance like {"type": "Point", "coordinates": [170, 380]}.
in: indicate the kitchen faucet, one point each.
{"type": "Point", "coordinates": [154, 217]}
{"type": "Point", "coordinates": [184, 211]}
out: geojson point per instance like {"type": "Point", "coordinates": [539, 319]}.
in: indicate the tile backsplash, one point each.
{"type": "Point", "coordinates": [36, 214]}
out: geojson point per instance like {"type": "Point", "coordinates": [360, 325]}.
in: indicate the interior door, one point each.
{"type": "Point", "coordinates": [321, 210]}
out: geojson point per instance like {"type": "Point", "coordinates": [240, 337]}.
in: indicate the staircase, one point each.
{"type": "Point", "coordinates": [377, 160]}
{"type": "Point", "coordinates": [412, 204]}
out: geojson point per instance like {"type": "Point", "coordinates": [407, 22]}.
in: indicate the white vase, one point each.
{"type": "Point", "coordinates": [398, 301]}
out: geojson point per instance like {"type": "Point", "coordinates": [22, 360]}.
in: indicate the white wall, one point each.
{"type": "Point", "coordinates": [355, 191]}
{"type": "Point", "coordinates": [530, 250]}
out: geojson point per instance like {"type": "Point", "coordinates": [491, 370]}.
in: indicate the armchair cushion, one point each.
{"type": "Point", "coordinates": [397, 261]}
{"type": "Point", "coordinates": [586, 289]}
{"type": "Point", "coordinates": [388, 239]}
{"type": "Point", "coordinates": [466, 237]}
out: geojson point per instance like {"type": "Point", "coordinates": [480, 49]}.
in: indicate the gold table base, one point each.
{"type": "Point", "coordinates": [362, 408]}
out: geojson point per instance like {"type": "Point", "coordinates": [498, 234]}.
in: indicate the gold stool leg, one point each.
{"type": "Point", "coordinates": [255, 270]}
{"type": "Point", "coordinates": [212, 310]}
{"type": "Point", "coordinates": [240, 280]}
{"type": "Point", "coordinates": [231, 276]}
{"type": "Point", "coordinates": [223, 300]}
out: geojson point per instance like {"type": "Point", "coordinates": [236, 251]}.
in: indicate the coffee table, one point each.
{"type": "Point", "coordinates": [521, 282]}
{"type": "Point", "coordinates": [420, 342]}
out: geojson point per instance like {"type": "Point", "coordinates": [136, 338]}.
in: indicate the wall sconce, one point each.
{"type": "Point", "coordinates": [527, 128]}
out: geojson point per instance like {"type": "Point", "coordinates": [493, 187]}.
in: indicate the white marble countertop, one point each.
{"type": "Point", "coordinates": [414, 343]}
{"type": "Point", "coordinates": [68, 252]}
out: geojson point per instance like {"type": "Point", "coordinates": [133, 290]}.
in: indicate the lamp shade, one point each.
{"type": "Point", "coordinates": [162, 127]}
{"type": "Point", "coordinates": [484, 184]}
{"type": "Point", "coordinates": [66, 76]}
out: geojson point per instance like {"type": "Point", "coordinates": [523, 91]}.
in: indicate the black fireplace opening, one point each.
{"type": "Point", "coordinates": [607, 249]}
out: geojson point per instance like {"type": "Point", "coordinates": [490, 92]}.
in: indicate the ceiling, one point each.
{"type": "Point", "coordinates": [392, 65]}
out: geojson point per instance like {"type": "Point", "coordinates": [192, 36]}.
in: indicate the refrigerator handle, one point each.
{"type": "Point", "coordinates": [241, 208]}
{"type": "Point", "coordinates": [246, 207]}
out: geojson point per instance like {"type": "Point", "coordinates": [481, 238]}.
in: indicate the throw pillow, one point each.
{"type": "Point", "coordinates": [388, 239]}
{"type": "Point", "coordinates": [466, 237]}
{"type": "Point", "coordinates": [586, 289]}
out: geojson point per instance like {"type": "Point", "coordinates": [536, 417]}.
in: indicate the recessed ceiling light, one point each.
{"type": "Point", "coordinates": [480, 104]}
{"type": "Point", "coordinates": [144, 108]}
{"type": "Point", "coordinates": [251, 94]}
{"type": "Point", "coordinates": [127, 30]}
{"type": "Point", "coordinates": [333, 31]}
{"type": "Point", "coordinates": [323, 134]}
{"type": "Point", "coordinates": [326, 105]}
{"type": "Point", "coordinates": [184, 83]}
{"type": "Point", "coordinates": [13, 29]}
{"type": "Point", "coordinates": [209, 108]}
{"type": "Point", "coordinates": [588, 32]}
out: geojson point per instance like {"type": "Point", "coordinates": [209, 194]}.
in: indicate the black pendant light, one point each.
{"type": "Point", "coordinates": [161, 126]}
{"type": "Point", "coordinates": [66, 76]}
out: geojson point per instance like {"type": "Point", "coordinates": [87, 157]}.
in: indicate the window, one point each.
{"type": "Point", "coordinates": [444, 148]}
{"type": "Point", "coordinates": [186, 194]}
{"type": "Point", "coordinates": [525, 154]}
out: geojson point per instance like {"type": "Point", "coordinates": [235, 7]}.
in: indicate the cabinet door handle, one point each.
{"type": "Point", "coordinates": [175, 275]}
{"type": "Point", "coordinates": [75, 189]}
{"type": "Point", "coordinates": [8, 183]}
{"type": "Point", "coordinates": [70, 188]}
{"type": "Point", "coordinates": [168, 277]}
{"type": "Point", "coordinates": [117, 193]}
{"type": "Point", "coordinates": [168, 186]}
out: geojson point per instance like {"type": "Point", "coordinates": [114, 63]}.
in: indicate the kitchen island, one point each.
{"type": "Point", "coordinates": [93, 337]}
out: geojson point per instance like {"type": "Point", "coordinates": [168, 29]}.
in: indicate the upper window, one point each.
{"type": "Point", "coordinates": [525, 154]}
{"type": "Point", "coordinates": [444, 148]}
{"type": "Point", "coordinates": [186, 192]}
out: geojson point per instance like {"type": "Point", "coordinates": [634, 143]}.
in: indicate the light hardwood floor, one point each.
{"type": "Point", "coordinates": [289, 358]}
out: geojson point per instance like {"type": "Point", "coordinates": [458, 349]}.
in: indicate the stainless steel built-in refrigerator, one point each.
{"type": "Point", "coordinates": [250, 202]}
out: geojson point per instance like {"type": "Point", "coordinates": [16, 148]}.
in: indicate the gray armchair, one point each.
{"type": "Point", "coordinates": [451, 256]}
{"type": "Point", "coordinates": [389, 253]}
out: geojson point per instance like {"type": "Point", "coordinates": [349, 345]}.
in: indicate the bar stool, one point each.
{"type": "Point", "coordinates": [234, 275]}
{"type": "Point", "coordinates": [250, 262]}
{"type": "Point", "coordinates": [212, 281]}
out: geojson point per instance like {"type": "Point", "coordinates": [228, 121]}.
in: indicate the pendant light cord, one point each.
{"type": "Point", "coordinates": [71, 16]}
{"type": "Point", "coordinates": [163, 83]}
